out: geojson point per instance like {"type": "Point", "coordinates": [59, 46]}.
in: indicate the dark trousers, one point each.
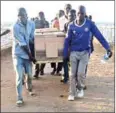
{"type": "Point", "coordinates": [59, 67]}
{"type": "Point", "coordinates": [39, 68]}
{"type": "Point", "coordinates": [32, 48]}
{"type": "Point", "coordinates": [66, 69]}
{"type": "Point", "coordinates": [53, 65]}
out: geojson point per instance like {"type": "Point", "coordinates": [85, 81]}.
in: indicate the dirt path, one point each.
{"type": "Point", "coordinates": [99, 96]}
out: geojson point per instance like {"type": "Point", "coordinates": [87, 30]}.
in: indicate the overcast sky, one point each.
{"type": "Point", "coordinates": [102, 11]}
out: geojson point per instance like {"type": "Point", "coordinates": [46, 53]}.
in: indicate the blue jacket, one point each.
{"type": "Point", "coordinates": [22, 36]}
{"type": "Point", "coordinates": [79, 37]}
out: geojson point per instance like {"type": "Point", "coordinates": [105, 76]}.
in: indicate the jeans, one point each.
{"type": "Point", "coordinates": [39, 68]}
{"type": "Point", "coordinates": [66, 69]}
{"type": "Point", "coordinates": [21, 65]}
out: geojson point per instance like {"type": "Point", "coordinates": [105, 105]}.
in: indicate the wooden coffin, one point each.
{"type": "Point", "coordinates": [49, 44]}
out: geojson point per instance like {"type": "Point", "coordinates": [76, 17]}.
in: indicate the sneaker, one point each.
{"type": "Point", "coordinates": [58, 73]}
{"type": "Point", "coordinates": [80, 93]}
{"type": "Point", "coordinates": [35, 76]}
{"type": "Point", "coordinates": [61, 80]}
{"type": "Point", "coordinates": [85, 87]}
{"type": "Point", "coordinates": [64, 81]}
{"type": "Point", "coordinates": [77, 91]}
{"type": "Point", "coordinates": [31, 93]}
{"type": "Point", "coordinates": [70, 98]}
{"type": "Point", "coordinates": [19, 103]}
{"type": "Point", "coordinates": [53, 72]}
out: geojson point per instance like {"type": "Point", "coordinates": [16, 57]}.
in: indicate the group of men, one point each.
{"type": "Point", "coordinates": [61, 22]}
{"type": "Point", "coordinates": [77, 48]}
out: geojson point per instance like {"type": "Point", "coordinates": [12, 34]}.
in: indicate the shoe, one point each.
{"type": "Point", "coordinates": [53, 72]}
{"type": "Point", "coordinates": [35, 76]}
{"type": "Point", "coordinates": [77, 91]}
{"type": "Point", "coordinates": [20, 103]}
{"type": "Point", "coordinates": [31, 93]}
{"type": "Point", "coordinates": [58, 73]}
{"type": "Point", "coordinates": [85, 87]}
{"type": "Point", "coordinates": [80, 93]}
{"type": "Point", "coordinates": [61, 80]}
{"type": "Point", "coordinates": [62, 77]}
{"type": "Point", "coordinates": [70, 98]}
{"type": "Point", "coordinates": [64, 81]}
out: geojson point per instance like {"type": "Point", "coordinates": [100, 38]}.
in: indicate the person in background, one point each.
{"type": "Point", "coordinates": [40, 22]}
{"type": "Point", "coordinates": [71, 18]}
{"type": "Point", "coordinates": [55, 21]}
{"type": "Point", "coordinates": [61, 13]}
{"type": "Point", "coordinates": [33, 19]}
{"type": "Point", "coordinates": [79, 34]}
{"type": "Point", "coordinates": [36, 18]}
{"type": "Point", "coordinates": [86, 17]}
{"type": "Point", "coordinates": [90, 17]}
{"type": "Point", "coordinates": [56, 25]}
{"type": "Point", "coordinates": [64, 18]}
{"type": "Point", "coordinates": [23, 32]}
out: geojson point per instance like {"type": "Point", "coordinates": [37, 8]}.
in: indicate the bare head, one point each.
{"type": "Point", "coordinates": [81, 13]}
{"type": "Point", "coordinates": [67, 8]}
{"type": "Point", "coordinates": [61, 13]}
{"type": "Point", "coordinates": [86, 17]}
{"type": "Point", "coordinates": [41, 15]}
{"type": "Point", "coordinates": [22, 15]}
{"type": "Point", "coordinates": [72, 15]}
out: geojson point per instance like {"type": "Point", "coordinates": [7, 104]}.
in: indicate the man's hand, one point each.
{"type": "Point", "coordinates": [32, 58]}
{"type": "Point", "coordinates": [109, 53]}
{"type": "Point", "coordinates": [25, 48]}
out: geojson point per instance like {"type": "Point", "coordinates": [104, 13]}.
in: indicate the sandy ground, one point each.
{"type": "Point", "coordinates": [99, 96]}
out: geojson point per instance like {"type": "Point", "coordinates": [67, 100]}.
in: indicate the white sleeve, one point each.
{"type": "Point", "coordinates": [62, 22]}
